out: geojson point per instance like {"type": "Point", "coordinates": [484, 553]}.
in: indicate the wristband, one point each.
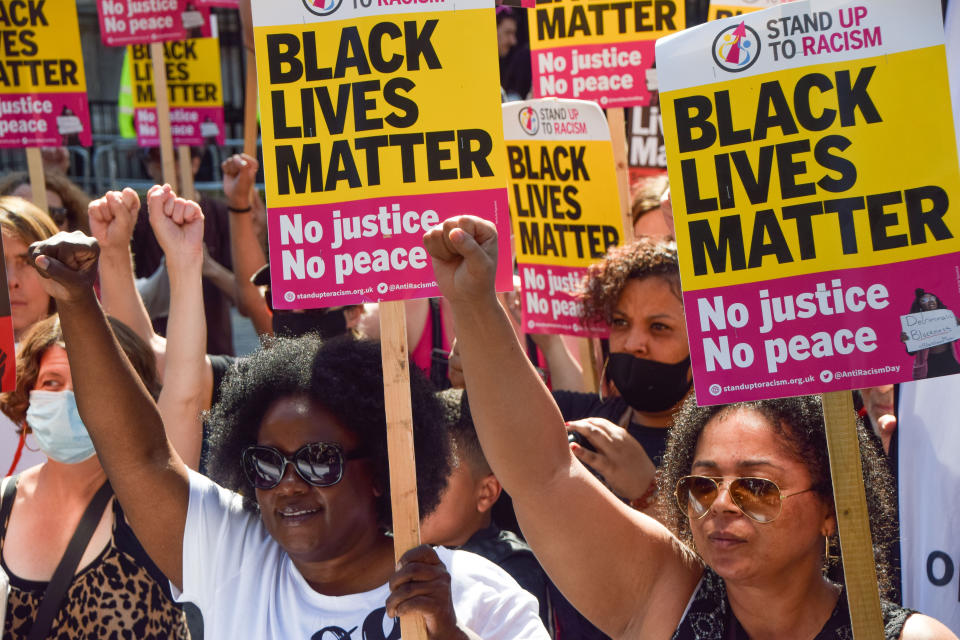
{"type": "Point", "coordinates": [247, 209]}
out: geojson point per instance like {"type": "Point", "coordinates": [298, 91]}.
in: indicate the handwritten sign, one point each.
{"type": "Point", "coordinates": [927, 329]}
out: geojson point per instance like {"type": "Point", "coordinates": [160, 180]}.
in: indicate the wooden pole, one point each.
{"type": "Point", "coordinates": [588, 362]}
{"type": "Point", "coordinates": [38, 180]}
{"type": "Point", "coordinates": [250, 107]}
{"type": "Point", "coordinates": [403, 470]}
{"type": "Point", "coordinates": [186, 172]}
{"type": "Point", "coordinates": [163, 114]}
{"type": "Point", "coordinates": [853, 521]}
{"type": "Point", "coordinates": [618, 138]}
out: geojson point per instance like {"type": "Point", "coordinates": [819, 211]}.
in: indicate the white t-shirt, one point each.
{"type": "Point", "coordinates": [246, 586]}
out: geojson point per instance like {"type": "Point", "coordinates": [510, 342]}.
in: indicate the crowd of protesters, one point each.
{"type": "Point", "coordinates": [148, 467]}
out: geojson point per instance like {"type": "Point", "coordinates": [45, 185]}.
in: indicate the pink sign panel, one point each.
{"type": "Point", "coordinates": [549, 301]}
{"type": "Point", "coordinates": [44, 120]}
{"type": "Point", "coordinates": [370, 250]}
{"type": "Point", "coordinates": [193, 126]}
{"type": "Point", "coordinates": [125, 22]}
{"type": "Point", "coordinates": [613, 75]}
{"type": "Point", "coordinates": [828, 331]}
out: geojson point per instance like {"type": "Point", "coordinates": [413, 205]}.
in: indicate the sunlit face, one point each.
{"type": "Point", "coordinates": [928, 302]}
{"type": "Point", "coordinates": [29, 301]}
{"type": "Point", "coordinates": [652, 223]}
{"type": "Point", "coordinates": [54, 374]}
{"type": "Point", "coordinates": [314, 524]}
{"type": "Point", "coordinates": [506, 36]}
{"type": "Point", "coordinates": [450, 524]}
{"type": "Point", "coordinates": [878, 401]}
{"type": "Point", "coordinates": [648, 321]}
{"type": "Point", "coordinates": [54, 203]}
{"type": "Point", "coordinates": [739, 549]}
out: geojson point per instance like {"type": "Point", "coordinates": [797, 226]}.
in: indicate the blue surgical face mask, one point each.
{"type": "Point", "coordinates": [55, 422]}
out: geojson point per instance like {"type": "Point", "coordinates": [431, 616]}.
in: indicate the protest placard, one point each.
{"type": "Point", "coordinates": [126, 22]}
{"type": "Point", "coordinates": [378, 121]}
{"type": "Point", "coordinates": [194, 90]}
{"type": "Point", "coordinates": [43, 88]}
{"type": "Point", "coordinates": [646, 152]}
{"type": "Point", "coordinates": [812, 160]}
{"type": "Point", "coordinates": [599, 51]}
{"type": "Point", "coordinates": [720, 9]}
{"type": "Point", "coordinates": [565, 204]}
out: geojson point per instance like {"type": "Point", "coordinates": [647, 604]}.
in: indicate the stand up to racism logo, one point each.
{"type": "Point", "coordinates": [736, 48]}
{"type": "Point", "coordinates": [322, 7]}
{"type": "Point", "coordinates": [529, 120]}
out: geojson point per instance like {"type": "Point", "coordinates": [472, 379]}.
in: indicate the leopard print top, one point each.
{"type": "Point", "coordinates": [121, 594]}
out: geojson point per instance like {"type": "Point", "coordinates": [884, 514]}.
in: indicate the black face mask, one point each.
{"type": "Point", "coordinates": [647, 385]}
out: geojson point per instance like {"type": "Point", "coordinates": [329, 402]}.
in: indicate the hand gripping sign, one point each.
{"type": "Point", "coordinates": [565, 204]}
{"type": "Point", "coordinates": [379, 120]}
{"type": "Point", "coordinates": [813, 168]}
{"type": "Point", "coordinates": [599, 51]}
{"type": "Point", "coordinates": [43, 89]}
{"type": "Point", "coordinates": [193, 87]}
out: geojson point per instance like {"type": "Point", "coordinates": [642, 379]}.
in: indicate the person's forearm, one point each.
{"type": "Point", "coordinates": [248, 257]}
{"type": "Point", "coordinates": [184, 382]}
{"type": "Point", "coordinates": [518, 423]}
{"type": "Point", "coordinates": [221, 277]}
{"type": "Point", "coordinates": [565, 371]}
{"type": "Point", "coordinates": [118, 293]}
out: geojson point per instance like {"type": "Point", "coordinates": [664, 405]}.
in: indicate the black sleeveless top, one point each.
{"type": "Point", "coordinates": [710, 618]}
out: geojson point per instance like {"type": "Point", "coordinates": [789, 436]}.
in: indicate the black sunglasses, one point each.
{"type": "Point", "coordinates": [318, 463]}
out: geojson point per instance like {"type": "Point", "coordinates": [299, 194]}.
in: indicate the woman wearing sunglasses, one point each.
{"type": "Point", "coordinates": [296, 543]}
{"type": "Point", "coordinates": [744, 559]}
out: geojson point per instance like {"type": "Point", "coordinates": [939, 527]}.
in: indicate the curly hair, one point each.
{"type": "Point", "coordinates": [798, 423]}
{"type": "Point", "coordinates": [606, 279]}
{"type": "Point", "coordinates": [463, 433]}
{"type": "Point", "coordinates": [75, 200]}
{"type": "Point", "coordinates": [46, 333]}
{"type": "Point", "coordinates": [344, 375]}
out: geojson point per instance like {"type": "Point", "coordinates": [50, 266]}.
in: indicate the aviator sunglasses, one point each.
{"type": "Point", "coordinates": [758, 498]}
{"type": "Point", "coordinates": [318, 463]}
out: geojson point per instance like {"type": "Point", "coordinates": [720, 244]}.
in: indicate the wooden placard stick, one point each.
{"type": "Point", "coordinates": [403, 470]}
{"type": "Point", "coordinates": [618, 138]}
{"type": "Point", "coordinates": [186, 172]}
{"type": "Point", "coordinates": [853, 521]}
{"type": "Point", "coordinates": [38, 179]}
{"type": "Point", "coordinates": [163, 114]}
{"type": "Point", "coordinates": [588, 362]}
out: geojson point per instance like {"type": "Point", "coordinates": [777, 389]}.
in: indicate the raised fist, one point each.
{"type": "Point", "coordinates": [68, 264]}
{"type": "Point", "coordinates": [113, 217]}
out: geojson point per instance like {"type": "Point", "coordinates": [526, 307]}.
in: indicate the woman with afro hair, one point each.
{"type": "Point", "coordinates": [295, 541]}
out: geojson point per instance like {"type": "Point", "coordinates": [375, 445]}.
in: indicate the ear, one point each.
{"type": "Point", "coordinates": [195, 164]}
{"type": "Point", "coordinates": [829, 525]}
{"type": "Point", "coordinates": [488, 491]}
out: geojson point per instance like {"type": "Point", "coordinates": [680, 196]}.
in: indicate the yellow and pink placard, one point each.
{"type": "Point", "coordinates": [601, 51]}
{"type": "Point", "coordinates": [43, 88]}
{"type": "Point", "coordinates": [565, 205]}
{"type": "Point", "coordinates": [379, 120]}
{"type": "Point", "coordinates": [813, 168]}
{"type": "Point", "coordinates": [194, 90]}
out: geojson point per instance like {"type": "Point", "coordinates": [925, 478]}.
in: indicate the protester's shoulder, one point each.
{"type": "Point", "coordinates": [209, 495]}
{"type": "Point", "coordinates": [921, 627]}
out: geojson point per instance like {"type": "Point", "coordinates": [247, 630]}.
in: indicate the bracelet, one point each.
{"type": "Point", "coordinates": [248, 209]}
{"type": "Point", "coordinates": [648, 498]}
